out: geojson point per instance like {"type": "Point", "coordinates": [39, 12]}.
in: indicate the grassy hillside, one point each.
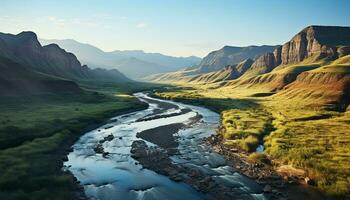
{"type": "Point", "coordinates": [37, 130]}
{"type": "Point", "coordinates": [313, 139]}
{"type": "Point", "coordinates": [17, 79]}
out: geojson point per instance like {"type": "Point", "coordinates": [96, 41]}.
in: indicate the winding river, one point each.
{"type": "Point", "coordinates": [119, 176]}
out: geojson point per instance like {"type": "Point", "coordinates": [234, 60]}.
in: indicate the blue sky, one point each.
{"type": "Point", "coordinates": [173, 27]}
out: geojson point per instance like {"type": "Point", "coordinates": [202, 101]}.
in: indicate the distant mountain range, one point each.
{"type": "Point", "coordinates": [228, 57]}
{"type": "Point", "coordinates": [134, 64]}
{"type": "Point", "coordinates": [313, 65]}
{"type": "Point", "coordinates": [26, 67]}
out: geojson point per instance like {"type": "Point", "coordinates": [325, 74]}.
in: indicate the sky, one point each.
{"type": "Point", "coordinates": [171, 27]}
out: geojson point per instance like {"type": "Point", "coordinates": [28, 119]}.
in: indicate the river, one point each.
{"type": "Point", "coordinates": [117, 175]}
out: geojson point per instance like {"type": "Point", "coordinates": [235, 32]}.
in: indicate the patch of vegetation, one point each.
{"type": "Point", "coordinates": [34, 133]}
{"type": "Point", "coordinates": [321, 147]}
{"type": "Point", "coordinates": [312, 138]}
{"type": "Point", "coordinates": [217, 103]}
{"type": "Point", "coordinates": [247, 128]}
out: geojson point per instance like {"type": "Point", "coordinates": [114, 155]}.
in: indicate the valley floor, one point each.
{"type": "Point", "coordinates": [303, 141]}
{"type": "Point", "coordinates": [37, 133]}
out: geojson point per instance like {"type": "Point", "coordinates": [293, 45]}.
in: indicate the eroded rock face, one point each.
{"type": "Point", "coordinates": [244, 66]}
{"type": "Point", "coordinates": [229, 55]}
{"type": "Point", "coordinates": [263, 64]}
{"type": "Point", "coordinates": [319, 41]}
{"type": "Point", "coordinates": [343, 51]}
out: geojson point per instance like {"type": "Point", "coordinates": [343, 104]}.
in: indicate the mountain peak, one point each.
{"type": "Point", "coordinates": [331, 36]}
{"type": "Point", "coordinates": [27, 35]}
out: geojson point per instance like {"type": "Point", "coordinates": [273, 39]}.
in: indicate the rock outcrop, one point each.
{"type": "Point", "coordinates": [262, 65]}
{"type": "Point", "coordinates": [321, 42]}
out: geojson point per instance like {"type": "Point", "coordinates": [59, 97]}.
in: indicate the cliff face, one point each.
{"type": "Point", "coordinates": [319, 41]}
{"type": "Point", "coordinates": [263, 64]}
{"type": "Point", "coordinates": [314, 40]}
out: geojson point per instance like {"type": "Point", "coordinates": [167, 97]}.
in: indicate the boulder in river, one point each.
{"type": "Point", "coordinates": [267, 189]}
{"type": "Point", "coordinates": [98, 148]}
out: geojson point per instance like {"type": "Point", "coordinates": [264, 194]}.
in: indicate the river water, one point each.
{"type": "Point", "coordinates": [119, 176]}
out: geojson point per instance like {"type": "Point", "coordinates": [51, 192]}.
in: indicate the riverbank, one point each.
{"type": "Point", "coordinates": [286, 185]}
{"type": "Point", "coordinates": [248, 163]}
{"type": "Point", "coordinates": [38, 134]}
{"type": "Point", "coordinates": [157, 158]}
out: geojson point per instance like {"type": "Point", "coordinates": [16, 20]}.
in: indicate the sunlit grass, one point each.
{"type": "Point", "coordinates": [300, 133]}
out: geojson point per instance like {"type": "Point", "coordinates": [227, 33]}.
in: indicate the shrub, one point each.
{"type": "Point", "coordinates": [249, 143]}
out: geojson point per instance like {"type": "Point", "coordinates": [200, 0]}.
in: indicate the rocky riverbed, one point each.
{"type": "Point", "coordinates": [158, 153]}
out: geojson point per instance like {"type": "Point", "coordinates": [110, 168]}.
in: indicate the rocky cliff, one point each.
{"type": "Point", "coordinates": [321, 42]}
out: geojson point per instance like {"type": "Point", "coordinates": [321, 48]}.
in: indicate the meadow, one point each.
{"type": "Point", "coordinates": [314, 139]}
{"type": "Point", "coordinates": [37, 132]}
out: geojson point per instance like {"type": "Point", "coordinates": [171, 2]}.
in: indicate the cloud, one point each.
{"type": "Point", "coordinates": [141, 25]}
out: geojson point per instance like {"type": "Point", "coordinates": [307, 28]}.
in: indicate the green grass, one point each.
{"type": "Point", "coordinates": [320, 146]}
{"type": "Point", "coordinates": [245, 128]}
{"type": "Point", "coordinates": [338, 68]}
{"type": "Point", "coordinates": [217, 103]}
{"type": "Point", "coordinates": [311, 138]}
{"type": "Point", "coordinates": [36, 130]}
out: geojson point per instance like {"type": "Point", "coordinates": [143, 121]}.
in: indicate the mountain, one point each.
{"type": "Point", "coordinates": [16, 79]}
{"type": "Point", "coordinates": [25, 49]}
{"type": "Point", "coordinates": [229, 72]}
{"type": "Point", "coordinates": [229, 55]}
{"type": "Point", "coordinates": [316, 42]}
{"type": "Point", "coordinates": [217, 60]}
{"type": "Point", "coordinates": [135, 64]}
{"type": "Point", "coordinates": [169, 62]}
{"type": "Point", "coordinates": [313, 66]}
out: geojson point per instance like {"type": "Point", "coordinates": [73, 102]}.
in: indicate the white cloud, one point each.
{"type": "Point", "coordinates": [141, 25]}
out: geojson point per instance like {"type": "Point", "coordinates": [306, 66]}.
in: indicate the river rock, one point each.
{"type": "Point", "coordinates": [108, 138]}
{"type": "Point", "coordinates": [267, 189]}
{"type": "Point", "coordinates": [99, 148]}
